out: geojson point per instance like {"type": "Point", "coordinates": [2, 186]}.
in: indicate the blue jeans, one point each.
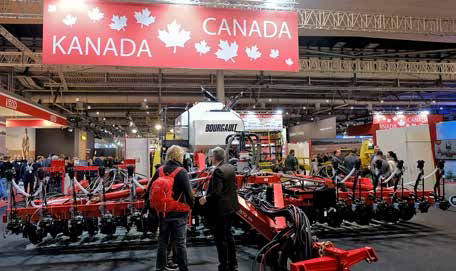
{"type": "Point", "coordinates": [173, 229]}
{"type": "Point", "coordinates": [3, 189]}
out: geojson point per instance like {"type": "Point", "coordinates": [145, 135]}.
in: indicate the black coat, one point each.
{"type": "Point", "coordinates": [182, 189]}
{"type": "Point", "coordinates": [221, 195]}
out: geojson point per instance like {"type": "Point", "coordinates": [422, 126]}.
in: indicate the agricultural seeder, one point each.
{"type": "Point", "coordinates": [118, 198]}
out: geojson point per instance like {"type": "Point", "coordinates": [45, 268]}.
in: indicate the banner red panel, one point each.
{"type": "Point", "coordinates": [177, 36]}
{"type": "Point", "coordinates": [400, 120]}
{"type": "Point", "coordinates": [29, 109]}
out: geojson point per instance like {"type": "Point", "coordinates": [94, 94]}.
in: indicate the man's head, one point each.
{"type": "Point", "coordinates": [175, 153]}
{"type": "Point", "coordinates": [218, 155]}
{"type": "Point", "coordinates": [379, 153]}
{"type": "Point", "coordinates": [292, 152]}
{"type": "Point", "coordinates": [337, 153]}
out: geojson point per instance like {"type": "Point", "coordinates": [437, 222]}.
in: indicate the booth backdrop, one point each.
{"type": "Point", "coordinates": [14, 138]}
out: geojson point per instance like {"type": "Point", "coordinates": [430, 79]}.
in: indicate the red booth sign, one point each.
{"type": "Point", "coordinates": [15, 104]}
{"type": "Point", "coordinates": [398, 121]}
{"type": "Point", "coordinates": [175, 36]}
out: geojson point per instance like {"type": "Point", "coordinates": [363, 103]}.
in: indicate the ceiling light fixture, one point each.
{"type": "Point", "coordinates": [158, 127]}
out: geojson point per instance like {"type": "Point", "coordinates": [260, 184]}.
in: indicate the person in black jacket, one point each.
{"type": "Point", "coordinates": [222, 199]}
{"type": "Point", "coordinates": [173, 226]}
{"type": "Point", "coordinates": [29, 177]}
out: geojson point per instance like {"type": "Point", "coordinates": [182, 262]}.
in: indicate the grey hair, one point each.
{"type": "Point", "coordinates": [218, 154]}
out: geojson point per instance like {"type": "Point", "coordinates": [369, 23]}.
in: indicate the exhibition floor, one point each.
{"type": "Point", "coordinates": [427, 242]}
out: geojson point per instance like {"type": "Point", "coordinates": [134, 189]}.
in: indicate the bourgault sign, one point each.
{"type": "Point", "coordinates": [160, 35]}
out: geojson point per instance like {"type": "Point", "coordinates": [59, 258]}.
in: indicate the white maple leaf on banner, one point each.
{"type": "Point", "coordinates": [274, 53]}
{"type": "Point", "coordinates": [174, 37]}
{"type": "Point", "coordinates": [95, 15]}
{"type": "Point", "coordinates": [118, 22]}
{"type": "Point", "coordinates": [52, 8]}
{"type": "Point", "coordinates": [227, 51]}
{"type": "Point", "coordinates": [202, 48]}
{"type": "Point", "coordinates": [289, 62]}
{"type": "Point", "coordinates": [144, 17]}
{"type": "Point", "coordinates": [253, 52]}
{"type": "Point", "coordinates": [69, 20]}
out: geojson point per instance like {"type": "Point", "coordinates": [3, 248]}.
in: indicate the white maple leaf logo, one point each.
{"type": "Point", "coordinates": [289, 62]}
{"type": "Point", "coordinates": [52, 8]}
{"type": "Point", "coordinates": [174, 37]}
{"type": "Point", "coordinates": [95, 15]}
{"type": "Point", "coordinates": [118, 22]}
{"type": "Point", "coordinates": [227, 51]}
{"type": "Point", "coordinates": [69, 20]}
{"type": "Point", "coordinates": [144, 17]}
{"type": "Point", "coordinates": [202, 48]}
{"type": "Point", "coordinates": [274, 53]}
{"type": "Point", "coordinates": [253, 52]}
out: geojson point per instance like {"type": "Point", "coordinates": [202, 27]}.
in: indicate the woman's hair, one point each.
{"type": "Point", "coordinates": [175, 153]}
{"type": "Point", "coordinates": [393, 155]}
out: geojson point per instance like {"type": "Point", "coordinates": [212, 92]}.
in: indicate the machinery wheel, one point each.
{"type": "Point", "coordinates": [107, 224]}
{"type": "Point", "coordinates": [30, 232]}
{"type": "Point", "coordinates": [334, 218]}
{"type": "Point", "coordinates": [392, 214]}
{"type": "Point", "coordinates": [424, 206]}
{"type": "Point", "coordinates": [381, 212]}
{"type": "Point", "coordinates": [60, 226]}
{"type": "Point", "coordinates": [363, 214]}
{"type": "Point", "coordinates": [452, 200]}
{"type": "Point", "coordinates": [91, 225]}
{"type": "Point", "coordinates": [76, 227]}
{"type": "Point", "coordinates": [406, 211]}
{"type": "Point", "coordinates": [444, 205]}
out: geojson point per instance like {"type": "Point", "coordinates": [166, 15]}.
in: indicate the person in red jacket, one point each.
{"type": "Point", "coordinates": [173, 226]}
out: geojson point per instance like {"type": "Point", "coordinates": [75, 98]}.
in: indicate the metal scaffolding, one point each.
{"type": "Point", "coordinates": [334, 65]}
{"type": "Point", "coordinates": [377, 66]}
{"type": "Point", "coordinates": [337, 20]}
{"type": "Point", "coordinates": [20, 60]}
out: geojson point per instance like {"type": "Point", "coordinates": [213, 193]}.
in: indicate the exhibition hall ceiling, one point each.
{"type": "Point", "coordinates": [349, 74]}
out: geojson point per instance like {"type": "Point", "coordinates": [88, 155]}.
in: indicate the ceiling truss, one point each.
{"type": "Point", "coordinates": [335, 64]}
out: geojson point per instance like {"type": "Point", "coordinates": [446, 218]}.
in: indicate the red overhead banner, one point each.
{"type": "Point", "coordinates": [175, 36]}
{"type": "Point", "coordinates": [400, 120]}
